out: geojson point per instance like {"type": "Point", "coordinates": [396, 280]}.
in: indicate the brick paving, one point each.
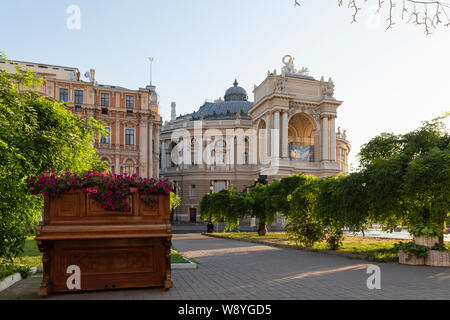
{"type": "Point", "coordinates": [232, 269]}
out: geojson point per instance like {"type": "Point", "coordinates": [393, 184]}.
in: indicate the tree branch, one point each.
{"type": "Point", "coordinates": [420, 12]}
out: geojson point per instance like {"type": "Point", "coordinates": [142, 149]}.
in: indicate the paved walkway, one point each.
{"type": "Point", "coordinates": [232, 269]}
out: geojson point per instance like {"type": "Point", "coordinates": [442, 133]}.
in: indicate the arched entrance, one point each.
{"type": "Point", "coordinates": [262, 143]}
{"type": "Point", "coordinates": [301, 138]}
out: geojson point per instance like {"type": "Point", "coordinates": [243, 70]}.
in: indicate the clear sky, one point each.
{"type": "Point", "coordinates": [389, 80]}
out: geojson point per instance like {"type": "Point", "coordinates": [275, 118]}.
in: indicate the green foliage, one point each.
{"type": "Point", "coordinates": [7, 269]}
{"type": "Point", "coordinates": [36, 134]}
{"type": "Point", "coordinates": [303, 225]}
{"type": "Point", "coordinates": [412, 249]}
{"type": "Point", "coordinates": [439, 247]}
{"type": "Point", "coordinates": [261, 206]}
{"type": "Point", "coordinates": [426, 189]}
{"type": "Point", "coordinates": [430, 230]}
{"type": "Point", "coordinates": [225, 205]}
{"type": "Point", "coordinates": [175, 201]}
{"type": "Point", "coordinates": [382, 147]}
{"type": "Point", "coordinates": [334, 240]}
{"type": "Point", "coordinates": [385, 204]}
{"type": "Point", "coordinates": [304, 231]}
{"type": "Point", "coordinates": [408, 176]}
{"type": "Point", "coordinates": [342, 203]}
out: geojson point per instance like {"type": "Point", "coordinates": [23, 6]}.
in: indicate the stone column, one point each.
{"type": "Point", "coordinates": [284, 136]}
{"type": "Point", "coordinates": [118, 136]}
{"type": "Point", "coordinates": [324, 138]}
{"type": "Point", "coordinates": [155, 137]}
{"type": "Point", "coordinates": [268, 127]}
{"type": "Point", "coordinates": [143, 142]}
{"type": "Point", "coordinates": [276, 135]}
{"type": "Point", "coordinates": [163, 155]}
{"type": "Point", "coordinates": [150, 172]}
{"type": "Point", "coordinates": [333, 140]}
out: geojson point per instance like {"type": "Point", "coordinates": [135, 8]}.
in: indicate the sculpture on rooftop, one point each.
{"type": "Point", "coordinates": [289, 66]}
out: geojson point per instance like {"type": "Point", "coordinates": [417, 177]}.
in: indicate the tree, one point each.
{"type": "Point", "coordinates": [426, 190]}
{"type": "Point", "coordinates": [428, 13]}
{"type": "Point", "coordinates": [303, 225]}
{"type": "Point", "coordinates": [227, 205]}
{"type": "Point", "coordinates": [342, 203]}
{"type": "Point", "coordinates": [259, 207]}
{"type": "Point", "coordinates": [408, 177]}
{"type": "Point", "coordinates": [36, 134]}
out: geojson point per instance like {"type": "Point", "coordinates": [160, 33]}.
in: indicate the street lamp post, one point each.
{"type": "Point", "coordinates": [210, 226]}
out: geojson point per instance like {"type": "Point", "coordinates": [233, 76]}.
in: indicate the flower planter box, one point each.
{"type": "Point", "coordinates": [438, 258]}
{"type": "Point", "coordinates": [404, 258]}
{"type": "Point", "coordinates": [112, 249]}
{"type": "Point", "coordinates": [424, 241]}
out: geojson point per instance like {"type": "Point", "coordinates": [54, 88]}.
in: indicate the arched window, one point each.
{"type": "Point", "coordinates": [193, 150]}
{"type": "Point", "coordinates": [129, 167]}
{"type": "Point", "coordinates": [301, 138]}
{"type": "Point", "coordinates": [220, 152]}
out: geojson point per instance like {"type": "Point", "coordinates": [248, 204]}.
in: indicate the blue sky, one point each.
{"type": "Point", "coordinates": [388, 80]}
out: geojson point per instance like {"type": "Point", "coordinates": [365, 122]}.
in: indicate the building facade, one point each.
{"type": "Point", "coordinates": [132, 117]}
{"type": "Point", "coordinates": [289, 128]}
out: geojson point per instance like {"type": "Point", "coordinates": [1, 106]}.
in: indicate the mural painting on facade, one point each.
{"type": "Point", "coordinates": [301, 153]}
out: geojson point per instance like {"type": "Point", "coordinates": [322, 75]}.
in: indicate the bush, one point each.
{"type": "Point", "coordinates": [412, 249]}
{"type": "Point", "coordinates": [304, 232]}
{"type": "Point", "coordinates": [334, 240]}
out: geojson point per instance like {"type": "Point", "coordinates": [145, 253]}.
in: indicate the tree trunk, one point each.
{"type": "Point", "coordinates": [262, 229]}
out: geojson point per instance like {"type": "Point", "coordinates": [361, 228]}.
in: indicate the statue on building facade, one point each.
{"type": "Point", "coordinates": [280, 85]}
{"type": "Point", "coordinates": [328, 89]}
{"type": "Point", "coordinates": [288, 62]}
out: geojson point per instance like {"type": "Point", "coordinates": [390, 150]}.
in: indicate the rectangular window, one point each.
{"type": "Point", "coordinates": [245, 157]}
{"type": "Point", "coordinates": [129, 113]}
{"type": "Point", "coordinates": [130, 102]}
{"type": "Point", "coordinates": [77, 109]}
{"type": "Point", "coordinates": [78, 96]}
{"type": "Point", "coordinates": [63, 94]}
{"type": "Point", "coordinates": [193, 190]}
{"type": "Point", "coordinates": [104, 99]}
{"type": "Point", "coordinates": [153, 145]}
{"type": "Point", "coordinates": [106, 138]}
{"type": "Point", "coordinates": [129, 136]}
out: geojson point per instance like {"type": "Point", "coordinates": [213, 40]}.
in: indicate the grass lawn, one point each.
{"type": "Point", "coordinates": [33, 257]}
{"type": "Point", "coordinates": [374, 248]}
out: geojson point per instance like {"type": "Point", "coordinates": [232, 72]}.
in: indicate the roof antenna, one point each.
{"type": "Point", "coordinates": [151, 62]}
